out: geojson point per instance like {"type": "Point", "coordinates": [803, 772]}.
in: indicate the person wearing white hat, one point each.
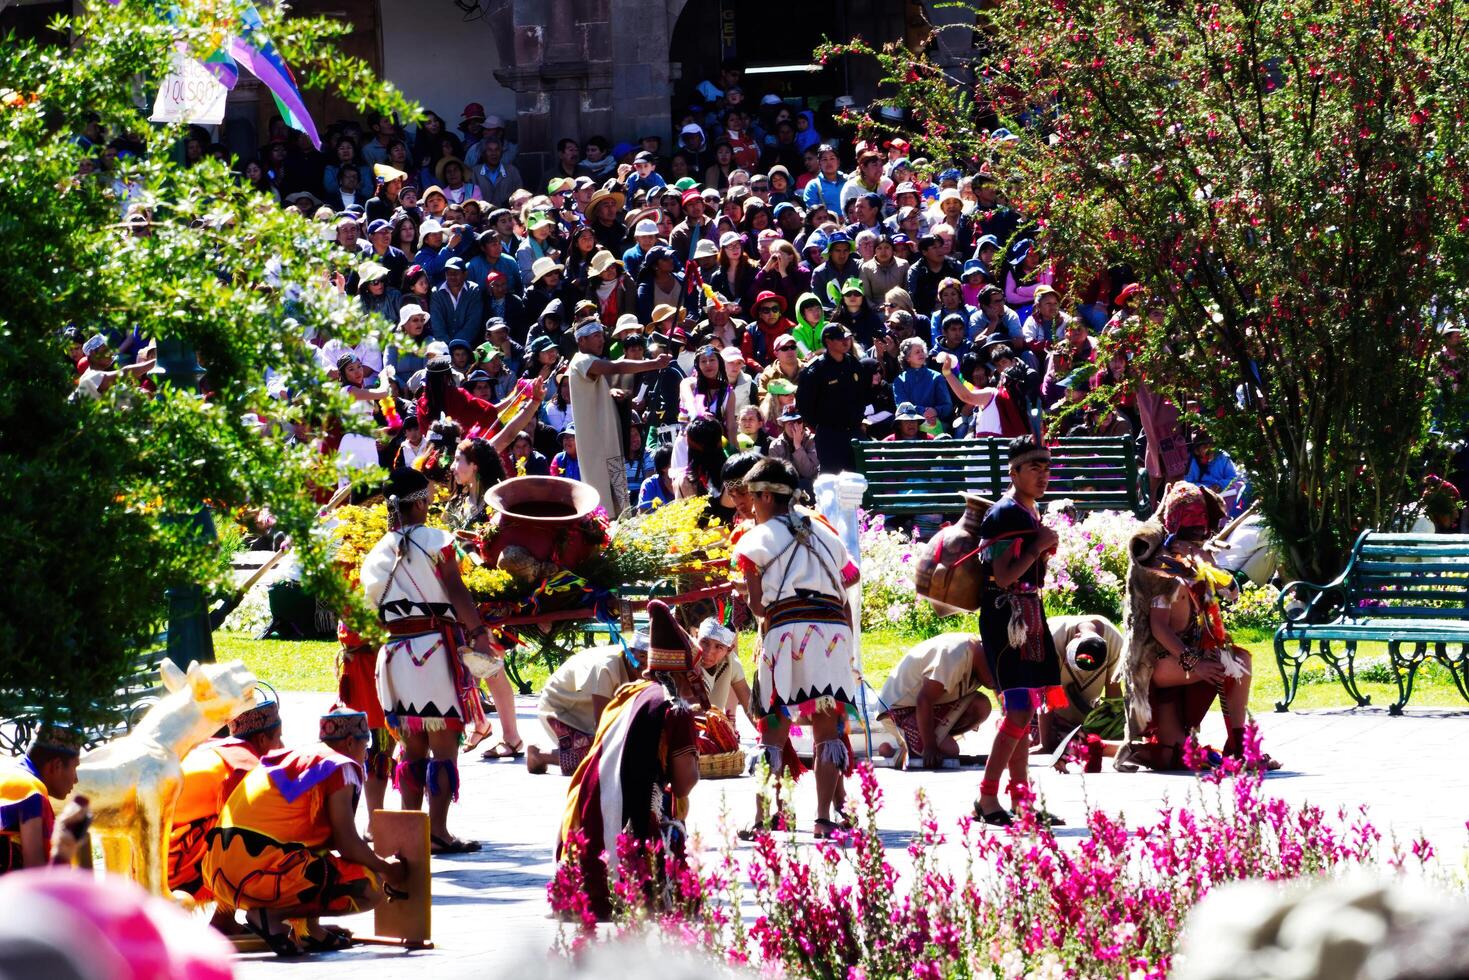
{"type": "Point", "coordinates": [575, 696]}
{"type": "Point", "coordinates": [594, 404]}
{"type": "Point", "coordinates": [645, 236]}
{"type": "Point", "coordinates": [724, 676]}
{"type": "Point", "coordinates": [431, 254]}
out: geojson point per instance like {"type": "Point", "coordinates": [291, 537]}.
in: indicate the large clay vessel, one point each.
{"type": "Point", "coordinates": [948, 573]}
{"type": "Point", "coordinates": [535, 512]}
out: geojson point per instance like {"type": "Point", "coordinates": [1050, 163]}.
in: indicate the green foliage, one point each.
{"type": "Point", "coordinates": [97, 494]}
{"type": "Point", "coordinates": [1287, 178]}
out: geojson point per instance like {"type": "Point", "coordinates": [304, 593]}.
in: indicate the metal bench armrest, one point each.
{"type": "Point", "coordinates": [1316, 604]}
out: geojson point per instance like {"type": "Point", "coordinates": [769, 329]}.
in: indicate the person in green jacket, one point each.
{"type": "Point", "coordinates": [810, 321]}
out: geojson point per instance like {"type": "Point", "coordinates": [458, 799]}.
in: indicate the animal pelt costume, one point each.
{"type": "Point", "coordinates": [1146, 581]}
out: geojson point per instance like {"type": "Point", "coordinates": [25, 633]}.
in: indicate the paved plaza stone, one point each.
{"type": "Point", "coordinates": [490, 909]}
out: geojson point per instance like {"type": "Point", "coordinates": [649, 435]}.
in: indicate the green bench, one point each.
{"type": "Point", "coordinates": [1410, 591]}
{"type": "Point", "coordinates": [138, 692]}
{"type": "Point", "coordinates": [924, 477]}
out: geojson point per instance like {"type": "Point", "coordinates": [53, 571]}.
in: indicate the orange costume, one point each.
{"type": "Point", "coordinates": [272, 846]}
{"type": "Point", "coordinates": [23, 797]}
{"type": "Point", "coordinates": [211, 773]}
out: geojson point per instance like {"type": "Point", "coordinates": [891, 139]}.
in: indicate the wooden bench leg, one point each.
{"type": "Point", "coordinates": [1289, 682]}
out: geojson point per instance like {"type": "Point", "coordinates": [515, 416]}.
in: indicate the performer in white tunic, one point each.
{"type": "Point", "coordinates": [796, 571]}
{"type": "Point", "coordinates": [427, 693]}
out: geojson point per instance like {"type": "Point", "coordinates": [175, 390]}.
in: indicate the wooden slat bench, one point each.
{"type": "Point", "coordinates": [1410, 591]}
{"type": "Point", "coordinates": [925, 477]}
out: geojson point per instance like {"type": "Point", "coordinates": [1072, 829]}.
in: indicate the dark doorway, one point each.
{"type": "Point", "coordinates": [772, 39]}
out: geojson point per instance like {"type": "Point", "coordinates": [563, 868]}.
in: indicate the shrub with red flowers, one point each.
{"type": "Point", "coordinates": [1287, 179]}
{"type": "Point", "coordinates": [1018, 904]}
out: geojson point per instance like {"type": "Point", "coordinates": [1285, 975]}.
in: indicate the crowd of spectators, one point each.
{"type": "Point", "coordinates": [807, 288]}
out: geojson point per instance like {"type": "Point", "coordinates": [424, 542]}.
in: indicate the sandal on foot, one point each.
{"type": "Point", "coordinates": [453, 846]}
{"type": "Point", "coordinates": [767, 826]}
{"type": "Point", "coordinates": [503, 750]}
{"type": "Point", "coordinates": [994, 818]}
{"type": "Point", "coordinates": [332, 942]}
{"type": "Point", "coordinates": [828, 830]}
{"type": "Point", "coordinates": [280, 943]}
{"type": "Point", "coordinates": [394, 894]}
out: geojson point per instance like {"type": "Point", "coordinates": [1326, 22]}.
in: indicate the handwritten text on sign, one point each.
{"type": "Point", "coordinates": [189, 94]}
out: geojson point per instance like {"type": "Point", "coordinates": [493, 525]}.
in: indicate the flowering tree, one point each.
{"type": "Point", "coordinates": [1286, 177]}
{"type": "Point", "coordinates": [100, 497]}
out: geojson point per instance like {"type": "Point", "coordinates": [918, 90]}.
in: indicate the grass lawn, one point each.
{"type": "Point", "coordinates": [310, 665]}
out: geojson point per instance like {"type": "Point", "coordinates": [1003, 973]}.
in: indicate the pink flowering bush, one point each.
{"type": "Point", "coordinates": [1088, 572]}
{"type": "Point", "coordinates": [889, 560]}
{"type": "Point", "coordinates": [1015, 904]}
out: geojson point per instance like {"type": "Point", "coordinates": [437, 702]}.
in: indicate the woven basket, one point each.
{"type": "Point", "coordinates": [722, 765]}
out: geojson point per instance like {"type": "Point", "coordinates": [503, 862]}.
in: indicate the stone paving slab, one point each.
{"type": "Point", "coordinates": [490, 911]}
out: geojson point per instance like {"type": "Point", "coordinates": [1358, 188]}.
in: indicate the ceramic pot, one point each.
{"type": "Point", "coordinates": [948, 574]}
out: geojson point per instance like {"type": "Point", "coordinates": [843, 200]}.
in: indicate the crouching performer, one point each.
{"type": "Point", "coordinates": [210, 774]}
{"type": "Point", "coordinates": [934, 695]}
{"type": "Point", "coordinates": [638, 773]}
{"type": "Point", "coordinates": [286, 846]}
{"type": "Point", "coordinates": [1179, 656]}
{"type": "Point", "coordinates": [575, 696]}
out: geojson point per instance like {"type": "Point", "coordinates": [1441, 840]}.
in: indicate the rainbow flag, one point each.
{"type": "Point", "coordinates": [252, 49]}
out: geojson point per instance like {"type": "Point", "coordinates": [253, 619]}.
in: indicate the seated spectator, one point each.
{"type": "Point", "coordinates": [1045, 325]}
{"type": "Point", "coordinates": [524, 459]}
{"type": "Point", "coordinates": [951, 337]}
{"type": "Point", "coordinates": [810, 322]}
{"type": "Point", "coordinates": [1023, 274]}
{"type": "Point", "coordinates": [565, 463]}
{"type": "Point", "coordinates": [884, 271]}
{"type": "Point", "coordinates": [658, 488]}
{"type": "Point", "coordinates": [782, 274]}
{"type": "Point", "coordinates": [920, 385]}
{"type": "Point", "coordinates": [951, 301]}
{"type": "Point", "coordinates": [796, 446]}
{"type": "Point", "coordinates": [857, 314]}
{"type": "Point", "coordinates": [907, 424]}
{"type": "Point", "coordinates": [1210, 467]}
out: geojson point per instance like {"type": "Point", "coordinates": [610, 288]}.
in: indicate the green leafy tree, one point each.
{"type": "Point", "coordinates": [98, 497]}
{"type": "Point", "coordinates": [1288, 180]}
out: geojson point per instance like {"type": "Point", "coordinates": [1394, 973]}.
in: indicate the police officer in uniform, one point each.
{"type": "Point", "coordinates": [830, 395]}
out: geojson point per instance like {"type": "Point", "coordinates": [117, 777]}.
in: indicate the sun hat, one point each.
{"type": "Point", "coordinates": [781, 386]}
{"type": "Point", "coordinates": [443, 164]}
{"type": "Point", "coordinates": [972, 267]}
{"type": "Point", "coordinates": [706, 248]}
{"type": "Point", "coordinates": [544, 265]}
{"type": "Point", "coordinates": [605, 195]}
{"type": "Point", "coordinates": [1127, 293]}
{"type": "Point", "coordinates": [387, 174]}
{"type": "Point", "coordinates": [407, 313]}
{"type": "Point", "coordinates": [370, 272]}
{"type": "Point", "coordinates": [730, 238]}
{"type": "Point", "coordinates": [987, 241]}
{"type": "Point", "coordinates": [627, 323]}
{"type": "Point", "coordinates": [472, 111]}
{"type": "Point", "coordinates": [601, 261]}
{"type": "Point", "coordinates": [662, 312]}
{"type": "Point", "coordinates": [539, 219]}
{"type": "Point", "coordinates": [908, 412]}
{"type": "Point", "coordinates": [645, 227]}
